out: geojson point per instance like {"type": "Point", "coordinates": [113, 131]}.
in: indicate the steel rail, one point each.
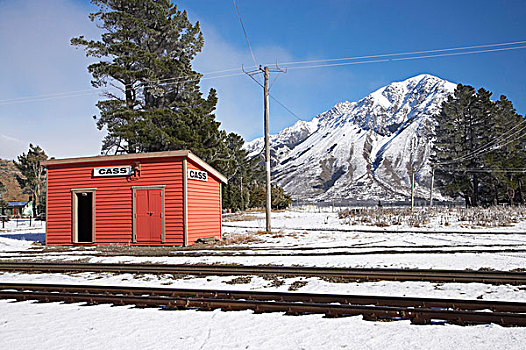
{"type": "Point", "coordinates": [371, 308]}
{"type": "Point", "coordinates": [351, 274]}
{"type": "Point", "coordinates": [373, 230]}
{"type": "Point", "coordinates": [457, 304]}
{"type": "Point", "coordinates": [220, 248]}
{"type": "Point", "coordinates": [285, 252]}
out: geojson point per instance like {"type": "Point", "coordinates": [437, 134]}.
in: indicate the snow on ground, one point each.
{"type": "Point", "coordinates": [307, 237]}
{"type": "Point", "coordinates": [432, 261]}
{"type": "Point", "coordinates": [28, 325]}
{"type": "Point", "coordinates": [10, 244]}
{"type": "Point", "coordinates": [19, 234]}
{"type": "Point", "coordinates": [23, 225]}
{"type": "Point", "coordinates": [439, 220]}
{"type": "Point", "coordinates": [316, 244]}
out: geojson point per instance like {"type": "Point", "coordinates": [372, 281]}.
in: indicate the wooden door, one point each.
{"type": "Point", "coordinates": [149, 215]}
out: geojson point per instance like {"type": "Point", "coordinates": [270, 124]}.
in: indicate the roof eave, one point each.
{"type": "Point", "coordinates": [132, 156]}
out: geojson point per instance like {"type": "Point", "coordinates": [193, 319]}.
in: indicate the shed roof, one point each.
{"type": "Point", "coordinates": [132, 156]}
{"type": "Point", "coordinates": [17, 203]}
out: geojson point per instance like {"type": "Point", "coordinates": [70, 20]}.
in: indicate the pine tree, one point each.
{"type": "Point", "coordinates": [473, 149]}
{"type": "Point", "coordinates": [33, 178]}
{"type": "Point", "coordinates": [244, 175]}
{"type": "Point", "coordinates": [508, 153]}
{"type": "Point", "coordinates": [460, 132]}
{"type": "Point", "coordinates": [145, 54]}
{"type": "Point", "coordinates": [280, 199]}
{"type": "Point", "coordinates": [452, 132]}
{"type": "Point", "coordinates": [3, 202]}
{"type": "Point", "coordinates": [2, 190]}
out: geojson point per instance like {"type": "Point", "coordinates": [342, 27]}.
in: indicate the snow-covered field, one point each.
{"type": "Point", "coordinates": [306, 236]}
{"type": "Point", "coordinates": [22, 226]}
{"type": "Point", "coordinates": [27, 325]}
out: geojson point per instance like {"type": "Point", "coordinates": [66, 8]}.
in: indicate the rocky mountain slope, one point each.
{"type": "Point", "coordinates": [361, 150]}
{"type": "Point", "coordinates": [8, 177]}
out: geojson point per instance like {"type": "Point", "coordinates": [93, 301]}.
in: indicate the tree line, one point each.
{"type": "Point", "coordinates": [31, 179]}
{"type": "Point", "coordinates": [479, 148]}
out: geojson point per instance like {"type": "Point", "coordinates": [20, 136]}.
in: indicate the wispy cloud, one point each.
{"type": "Point", "coordinates": [11, 147]}
{"type": "Point", "coordinates": [37, 59]}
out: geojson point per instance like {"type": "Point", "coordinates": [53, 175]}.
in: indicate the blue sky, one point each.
{"type": "Point", "coordinates": [38, 62]}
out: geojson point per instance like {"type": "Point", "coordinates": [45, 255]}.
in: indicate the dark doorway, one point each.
{"type": "Point", "coordinates": [84, 217]}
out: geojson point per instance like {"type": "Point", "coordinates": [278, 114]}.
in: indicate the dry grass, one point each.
{"type": "Point", "coordinates": [421, 217]}
{"type": "Point", "coordinates": [274, 281]}
{"type": "Point", "coordinates": [239, 280]}
{"type": "Point", "coordinates": [297, 285]}
{"type": "Point", "coordinates": [385, 217]}
{"type": "Point", "coordinates": [238, 238]}
{"type": "Point", "coordinates": [239, 217]}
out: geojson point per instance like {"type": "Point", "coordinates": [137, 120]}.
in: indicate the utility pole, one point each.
{"type": "Point", "coordinates": [432, 185]}
{"type": "Point", "coordinates": [267, 152]}
{"type": "Point", "coordinates": [412, 186]}
{"type": "Point", "coordinates": [412, 174]}
{"type": "Point", "coordinates": [266, 88]}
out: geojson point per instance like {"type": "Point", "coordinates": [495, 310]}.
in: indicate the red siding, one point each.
{"type": "Point", "coordinates": [113, 199]}
{"type": "Point", "coordinates": [204, 207]}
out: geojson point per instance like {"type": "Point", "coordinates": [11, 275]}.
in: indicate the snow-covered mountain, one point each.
{"type": "Point", "coordinates": [361, 150]}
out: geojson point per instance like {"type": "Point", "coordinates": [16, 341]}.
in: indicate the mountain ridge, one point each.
{"type": "Point", "coordinates": [361, 150]}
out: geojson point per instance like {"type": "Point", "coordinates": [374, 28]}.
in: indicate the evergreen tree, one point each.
{"type": "Point", "coordinates": [3, 202]}
{"type": "Point", "coordinates": [243, 174]}
{"type": "Point", "coordinates": [473, 149]}
{"type": "Point", "coordinates": [280, 199]}
{"type": "Point", "coordinates": [33, 178]}
{"type": "Point", "coordinates": [460, 131]}
{"type": "Point", "coordinates": [146, 52]}
{"type": "Point", "coordinates": [508, 153]}
{"type": "Point", "coordinates": [2, 190]}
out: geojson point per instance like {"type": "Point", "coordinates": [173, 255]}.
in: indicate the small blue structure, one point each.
{"type": "Point", "coordinates": [20, 208]}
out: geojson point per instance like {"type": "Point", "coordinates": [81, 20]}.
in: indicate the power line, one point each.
{"type": "Point", "coordinates": [485, 147]}
{"type": "Point", "coordinates": [184, 78]}
{"type": "Point", "coordinates": [285, 107]}
{"type": "Point", "coordinates": [484, 170]}
{"type": "Point", "coordinates": [86, 92]}
{"type": "Point", "coordinates": [490, 145]}
{"type": "Point", "coordinates": [194, 76]}
{"type": "Point", "coordinates": [181, 78]}
{"type": "Point", "coordinates": [408, 58]}
{"type": "Point", "coordinates": [403, 53]}
{"type": "Point", "coordinates": [245, 33]}
{"type": "Point", "coordinates": [50, 98]}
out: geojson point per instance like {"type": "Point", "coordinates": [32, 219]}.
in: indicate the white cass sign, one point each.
{"type": "Point", "coordinates": [197, 175]}
{"type": "Point", "coordinates": [113, 171]}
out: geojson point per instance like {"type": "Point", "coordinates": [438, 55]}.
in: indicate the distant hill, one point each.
{"type": "Point", "coordinates": [8, 177]}
{"type": "Point", "coordinates": [361, 150]}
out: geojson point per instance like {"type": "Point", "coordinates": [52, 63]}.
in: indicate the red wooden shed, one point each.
{"type": "Point", "coordinates": [160, 198]}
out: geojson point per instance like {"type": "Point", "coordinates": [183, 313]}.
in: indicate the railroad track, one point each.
{"type": "Point", "coordinates": [338, 274]}
{"type": "Point", "coordinates": [293, 252]}
{"type": "Point", "coordinates": [373, 230]}
{"type": "Point", "coordinates": [417, 310]}
{"type": "Point", "coordinates": [201, 248]}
